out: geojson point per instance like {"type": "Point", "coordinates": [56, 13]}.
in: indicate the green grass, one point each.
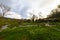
{"type": "Point", "coordinates": [36, 32]}
{"type": "Point", "coordinates": [30, 33]}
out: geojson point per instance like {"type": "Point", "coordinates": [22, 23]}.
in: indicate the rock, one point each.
{"type": "Point", "coordinates": [4, 27]}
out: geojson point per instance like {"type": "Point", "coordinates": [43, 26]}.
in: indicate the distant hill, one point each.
{"type": "Point", "coordinates": [8, 21]}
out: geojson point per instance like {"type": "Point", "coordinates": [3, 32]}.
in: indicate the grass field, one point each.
{"type": "Point", "coordinates": [29, 31]}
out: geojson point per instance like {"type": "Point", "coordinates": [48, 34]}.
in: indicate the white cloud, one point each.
{"type": "Point", "coordinates": [44, 6]}
{"type": "Point", "coordinates": [26, 6]}
{"type": "Point", "coordinates": [11, 14]}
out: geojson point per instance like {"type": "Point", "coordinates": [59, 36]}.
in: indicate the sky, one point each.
{"type": "Point", "coordinates": [24, 8]}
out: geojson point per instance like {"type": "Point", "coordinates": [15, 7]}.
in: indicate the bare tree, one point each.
{"type": "Point", "coordinates": [4, 9]}
{"type": "Point", "coordinates": [33, 17]}
{"type": "Point", "coordinates": [40, 15]}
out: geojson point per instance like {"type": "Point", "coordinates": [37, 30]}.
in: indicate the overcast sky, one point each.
{"type": "Point", "coordinates": [24, 7]}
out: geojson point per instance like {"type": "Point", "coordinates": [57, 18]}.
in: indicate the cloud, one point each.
{"type": "Point", "coordinates": [13, 15]}
{"type": "Point", "coordinates": [25, 7]}
{"type": "Point", "coordinates": [43, 6]}
{"type": "Point", "coordinates": [20, 6]}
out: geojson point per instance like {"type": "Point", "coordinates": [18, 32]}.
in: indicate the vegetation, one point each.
{"type": "Point", "coordinates": [28, 31]}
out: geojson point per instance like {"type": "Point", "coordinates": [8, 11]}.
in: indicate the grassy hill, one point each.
{"type": "Point", "coordinates": [8, 21]}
